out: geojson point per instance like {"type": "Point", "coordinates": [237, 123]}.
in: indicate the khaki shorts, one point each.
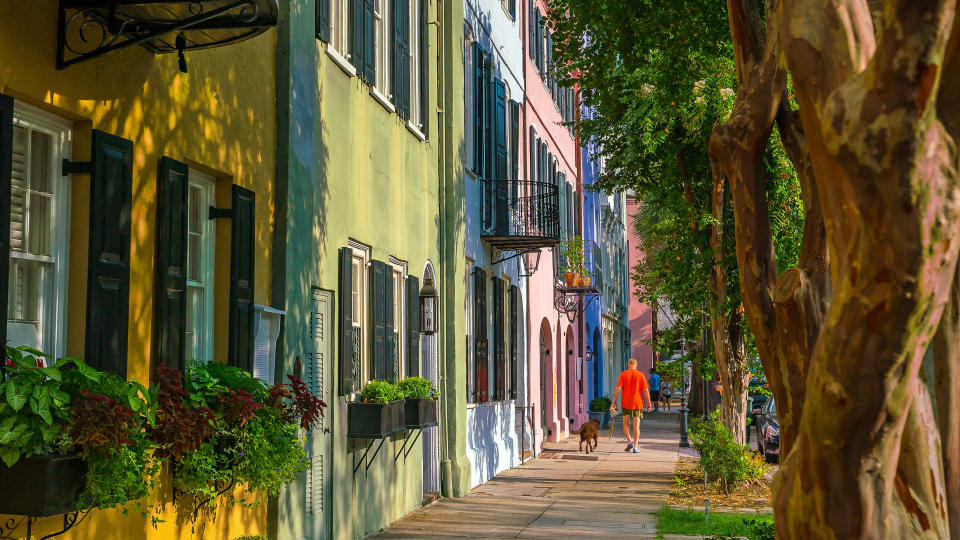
{"type": "Point", "coordinates": [633, 413]}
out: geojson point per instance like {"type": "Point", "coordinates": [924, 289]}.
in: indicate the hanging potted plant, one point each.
{"type": "Point", "coordinates": [575, 268]}
{"type": "Point", "coordinates": [420, 403]}
{"type": "Point", "coordinates": [378, 414]}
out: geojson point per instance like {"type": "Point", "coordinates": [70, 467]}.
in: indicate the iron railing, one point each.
{"type": "Point", "coordinates": [520, 215]}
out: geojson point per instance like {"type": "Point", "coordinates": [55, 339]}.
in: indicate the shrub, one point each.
{"type": "Point", "coordinates": [725, 461]}
{"type": "Point", "coordinates": [380, 392]}
{"type": "Point", "coordinates": [417, 388]}
{"type": "Point", "coordinates": [600, 404]}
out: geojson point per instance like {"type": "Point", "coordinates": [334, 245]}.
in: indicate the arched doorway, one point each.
{"type": "Point", "coordinates": [547, 406]}
{"type": "Point", "coordinates": [573, 384]}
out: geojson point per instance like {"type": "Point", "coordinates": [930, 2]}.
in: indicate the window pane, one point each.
{"type": "Point", "coordinates": [41, 214]}
{"type": "Point", "coordinates": [27, 287]}
{"type": "Point", "coordinates": [357, 284]}
{"type": "Point", "coordinates": [194, 318]}
{"type": "Point", "coordinates": [194, 235]}
{"type": "Point", "coordinates": [41, 144]}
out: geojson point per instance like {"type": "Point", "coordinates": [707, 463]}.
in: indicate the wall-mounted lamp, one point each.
{"type": "Point", "coordinates": [428, 307]}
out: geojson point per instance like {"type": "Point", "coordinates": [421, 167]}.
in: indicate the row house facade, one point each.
{"type": "Point", "coordinates": [137, 192]}
{"type": "Point", "coordinates": [279, 185]}
{"type": "Point", "coordinates": [645, 321]}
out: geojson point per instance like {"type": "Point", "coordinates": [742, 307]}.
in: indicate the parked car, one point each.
{"type": "Point", "coordinates": [768, 431]}
{"type": "Point", "coordinates": [758, 400]}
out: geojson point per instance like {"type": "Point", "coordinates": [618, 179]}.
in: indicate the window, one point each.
{"type": "Point", "coordinates": [359, 296]}
{"type": "Point", "coordinates": [416, 59]}
{"type": "Point", "coordinates": [381, 44]}
{"type": "Point", "coordinates": [39, 228]}
{"type": "Point", "coordinates": [468, 306]}
{"type": "Point", "coordinates": [201, 233]}
{"type": "Point", "coordinates": [267, 326]}
{"type": "Point", "coordinates": [399, 319]}
{"type": "Point", "coordinates": [470, 119]}
{"type": "Point", "coordinates": [339, 25]}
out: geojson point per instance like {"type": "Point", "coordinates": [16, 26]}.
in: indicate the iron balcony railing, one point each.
{"type": "Point", "coordinates": [520, 215]}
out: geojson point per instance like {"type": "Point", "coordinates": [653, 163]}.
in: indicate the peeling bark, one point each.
{"type": "Point", "coordinates": [842, 336]}
{"type": "Point", "coordinates": [946, 384]}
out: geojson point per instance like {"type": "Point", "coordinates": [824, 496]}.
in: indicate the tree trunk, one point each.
{"type": "Point", "coordinates": [860, 447]}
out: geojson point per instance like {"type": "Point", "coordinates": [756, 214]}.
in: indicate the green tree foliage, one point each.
{"type": "Point", "coordinates": [658, 76]}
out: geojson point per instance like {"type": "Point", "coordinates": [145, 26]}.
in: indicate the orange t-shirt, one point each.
{"type": "Point", "coordinates": [633, 382]}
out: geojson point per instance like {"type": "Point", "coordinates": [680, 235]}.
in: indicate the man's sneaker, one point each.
{"type": "Point", "coordinates": [629, 447]}
{"type": "Point", "coordinates": [636, 450]}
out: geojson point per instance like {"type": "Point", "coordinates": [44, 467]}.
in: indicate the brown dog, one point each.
{"type": "Point", "coordinates": [590, 430]}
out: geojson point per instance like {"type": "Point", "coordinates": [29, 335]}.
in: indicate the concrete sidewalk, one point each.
{"type": "Point", "coordinates": [564, 493]}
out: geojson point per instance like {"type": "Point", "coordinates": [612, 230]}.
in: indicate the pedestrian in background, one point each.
{"type": "Point", "coordinates": [635, 390]}
{"type": "Point", "coordinates": [666, 392]}
{"type": "Point", "coordinates": [655, 389]}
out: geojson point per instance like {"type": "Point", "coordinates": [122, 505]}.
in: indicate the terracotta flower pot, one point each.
{"type": "Point", "coordinates": [586, 281]}
{"type": "Point", "coordinates": [579, 281]}
{"type": "Point", "coordinates": [570, 278]}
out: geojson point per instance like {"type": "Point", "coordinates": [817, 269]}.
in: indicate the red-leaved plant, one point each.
{"type": "Point", "coordinates": [181, 427]}
{"type": "Point", "coordinates": [305, 405]}
{"type": "Point", "coordinates": [238, 406]}
{"type": "Point", "coordinates": [98, 421]}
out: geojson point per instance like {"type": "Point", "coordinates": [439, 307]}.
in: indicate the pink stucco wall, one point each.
{"type": "Point", "coordinates": [641, 315]}
{"type": "Point", "coordinates": [564, 402]}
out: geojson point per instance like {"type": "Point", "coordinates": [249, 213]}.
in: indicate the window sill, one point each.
{"type": "Point", "coordinates": [416, 131]}
{"type": "Point", "coordinates": [382, 99]}
{"type": "Point", "coordinates": [341, 61]}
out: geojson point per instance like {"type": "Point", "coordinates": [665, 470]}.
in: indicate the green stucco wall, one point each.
{"type": "Point", "coordinates": [350, 169]}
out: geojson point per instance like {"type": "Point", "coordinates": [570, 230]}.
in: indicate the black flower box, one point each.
{"type": "Point", "coordinates": [42, 485]}
{"type": "Point", "coordinates": [421, 413]}
{"type": "Point", "coordinates": [375, 420]}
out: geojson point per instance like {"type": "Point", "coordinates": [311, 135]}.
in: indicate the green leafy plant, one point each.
{"type": "Point", "coordinates": [380, 392]}
{"type": "Point", "coordinates": [573, 255]}
{"type": "Point", "coordinates": [724, 461]}
{"type": "Point", "coordinates": [600, 404]}
{"type": "Point", "coordinates": [417, 388]}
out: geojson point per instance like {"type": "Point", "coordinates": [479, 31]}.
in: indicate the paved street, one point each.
{"type": "Point", "coordinates": [563, 494]}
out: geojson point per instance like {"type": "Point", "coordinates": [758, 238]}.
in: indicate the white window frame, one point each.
{"type": "Point", "coordinates": [382, 38]}
{"type": "Point", "coordinates": [340, 28]}
{"type": "Point", "coordinates": [399, 281]}
{"type": "Point", "coordinates": [205, 185]}
{"type": "Point", "coordinates": [416, 115]}
{"type": "Point", "coordinates": [360, 263]}
{"type": "Point", "coordinates": [53, 321]}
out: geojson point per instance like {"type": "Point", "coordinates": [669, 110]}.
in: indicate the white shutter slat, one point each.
{"type": "Point", "coordinates": [18, 184]}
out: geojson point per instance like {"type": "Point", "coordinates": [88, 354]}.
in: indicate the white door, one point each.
{"type": "Point", "coordinates": [431, 436]}
{"type": "Point", "coordinates": [318, 372]}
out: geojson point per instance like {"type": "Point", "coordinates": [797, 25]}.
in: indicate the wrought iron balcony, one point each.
{"type": "Point", "coordinates": [520, 215]}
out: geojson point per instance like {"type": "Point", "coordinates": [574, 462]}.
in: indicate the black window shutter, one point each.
{"type": "Point", "coordinates": [499, 364]}
{"type": "Point", "coordinates": [500, 145]}
{"type": "Point", "coordinates": [391, 346]}
{"type": "Point", "coordinates": [514, 140]}
{"type": "Point", "coordinates": [490, 114]}
{"type": "Point", "coordinates": [514, 346]}
{"type": "Point", "coordinates": [539, 40]}
{"type": "Point", "coordinates": [478, 108]}
{"type": "Point", "coordinates": [108, 278]}
{"type": "Point", "coordinates": [400, 56]}
{"type": "Point", "coordinates": [482, 354]}
{"type": "Point", "coordinates": [242, 253]}
{"type": "Point", "coordinates": [345, 334]}
{"type": "Point", "coordinates": [170, 265]}
{"type": "Point", "coordinates": [369, 51]}
{"type": "Point", "coordinates": [357, 44]}
{"type": "Point", "coordinates": [323, 20]}
{"type": "Point", "coordinates": [6, 171]}
{"type": "Point", "coordinates": [513, 9]}
{"type": "Point", "coordinates": [378, 314]}
{"type": "Point", "coordinates": [413, 326]}
{"type": "Point", "coordinates": [532, 37]}
{"type": "Point", "coordinates": [424, 68]}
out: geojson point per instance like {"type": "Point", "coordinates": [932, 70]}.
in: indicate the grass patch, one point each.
{"type": "Point", "coordinates": [673, 521]}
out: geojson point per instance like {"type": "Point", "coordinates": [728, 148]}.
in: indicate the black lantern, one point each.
{"type": "Point", "coordinates": [531, 260]}
{"type": "Point", "coordinates": [428, 307]}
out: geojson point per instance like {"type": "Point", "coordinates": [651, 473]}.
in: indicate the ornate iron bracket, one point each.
{"type": "Point", "coordinates": [70, 520]}
{"type": "Point", "coordinates": [87, 29]}
{"type": "Point", "coordinates": [571, 300]}
{"type": "Point", "coordinates": [221, 486]}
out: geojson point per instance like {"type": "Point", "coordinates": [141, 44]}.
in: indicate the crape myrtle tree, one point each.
{"type": "Point", "coordinates": [655, 107]}
{"type": "Point", "coordinates": [860, 339]}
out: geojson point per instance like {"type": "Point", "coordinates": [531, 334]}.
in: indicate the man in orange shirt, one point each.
{"type": "Point", "coordinates": [636, 392]}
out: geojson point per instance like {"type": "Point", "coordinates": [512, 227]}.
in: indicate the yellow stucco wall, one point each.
{"type": "Point", "coordinates": [219, 118]}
